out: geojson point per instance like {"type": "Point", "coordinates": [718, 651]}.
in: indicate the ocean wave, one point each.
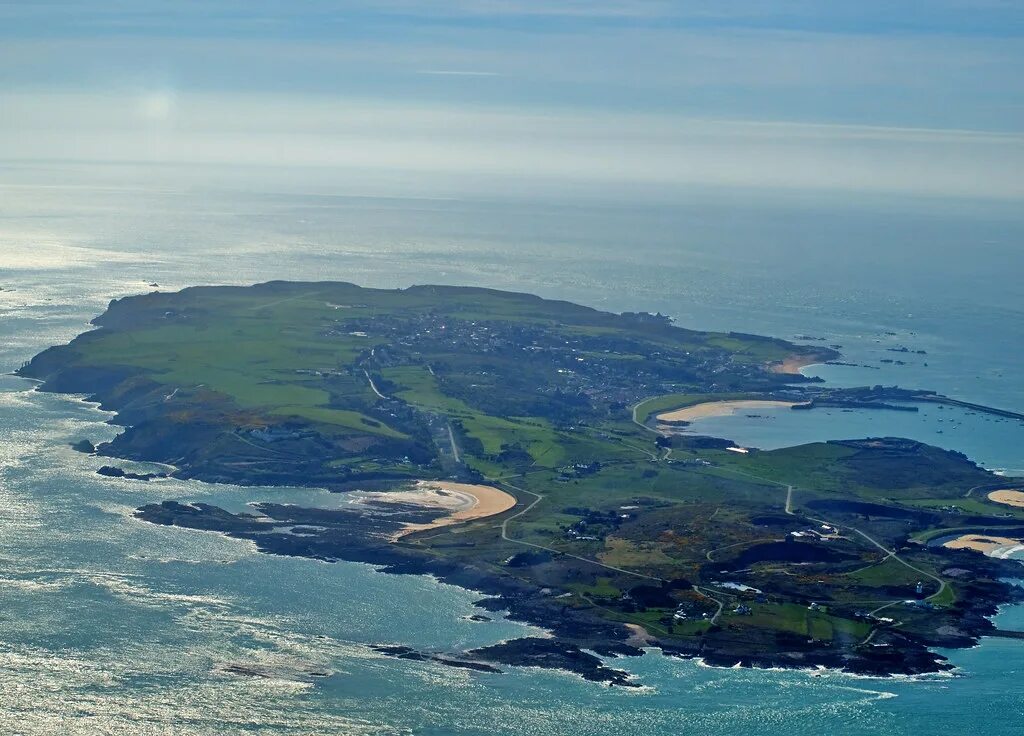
{"type": "Point", "coordinates": [139, 593]}
{"type": "Point", "coordinates": [8, 582]}
{"type": "Point", "coordinates": [48, 692]}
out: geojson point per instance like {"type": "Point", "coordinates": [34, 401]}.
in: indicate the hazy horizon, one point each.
{"type": "Point", "coordinates": [829, 195]}
{"type": "Point", "coordinates": [605, 98]}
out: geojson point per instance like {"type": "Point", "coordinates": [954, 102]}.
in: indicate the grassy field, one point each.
{"type": "Point", "coordinates": [334, 385]}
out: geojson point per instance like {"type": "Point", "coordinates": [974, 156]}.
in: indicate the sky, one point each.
{"type": "Point", "coordinates": [905, 98]}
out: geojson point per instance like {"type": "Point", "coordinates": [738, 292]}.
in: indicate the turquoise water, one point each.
{"type": "Point", "coordinates": [109, 625]}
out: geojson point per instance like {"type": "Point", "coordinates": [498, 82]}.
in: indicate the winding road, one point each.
{"type": "Point", "coordinates": [537, 499]}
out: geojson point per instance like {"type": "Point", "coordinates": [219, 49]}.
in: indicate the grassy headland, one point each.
{"type": "Point", "coordinates": [795, 557]}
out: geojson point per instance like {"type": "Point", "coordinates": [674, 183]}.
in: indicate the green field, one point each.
{"type": "Point", "coordinates": [332, 385]}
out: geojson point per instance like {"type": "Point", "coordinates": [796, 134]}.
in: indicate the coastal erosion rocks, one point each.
{"type": "Point", "coordinates": [112, 472]}
{"type": "Point", "coordinates": [332, 534]}
{"type": "Point", "coordinates": [526, 652]}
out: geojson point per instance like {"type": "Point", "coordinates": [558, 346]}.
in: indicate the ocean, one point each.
{"type": "Point", "coordinates": [109, 625]}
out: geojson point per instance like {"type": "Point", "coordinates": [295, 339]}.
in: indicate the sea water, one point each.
{"type": "Point", "coordinates": [112, 625]}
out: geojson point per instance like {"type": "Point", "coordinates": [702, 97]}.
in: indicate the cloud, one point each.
{"type": "Point", "coordinates": [427, 142]}
{"type": "Point", "coordinates": [755, 73]}
{"type": "Point", "coordinates": [156, 105]}
{"type": "Point", "coordinates": [455, 73]}
{"type": "Point", "coordinates": [250, 16]}
{"type": "Point", "coordinates": [767, 94]}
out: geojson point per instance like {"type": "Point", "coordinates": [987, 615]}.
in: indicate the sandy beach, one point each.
{"type": "Point", "coordinates": [639, 636]}
{"type": "Point", "coordinates": [1008, 497]}
{"type": "Point", "coordinates": [463, 501]}
{"type": "Point", "coordinates": [982, 543]}
{"type": "Point", "coordinates": [717, 409]}
{"type": "Point", "coordinates": [793, 364]}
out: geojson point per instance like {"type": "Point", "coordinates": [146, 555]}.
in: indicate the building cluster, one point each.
{"type": "Point", "coordinates": [609, 367]}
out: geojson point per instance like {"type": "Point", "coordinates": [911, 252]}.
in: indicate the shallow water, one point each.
{"type": "Point", "coordinates": [110, 625]}
{"type": "Point", "coordinates": [992, 441]}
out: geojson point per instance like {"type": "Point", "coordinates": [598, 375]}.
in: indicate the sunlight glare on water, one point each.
{"type": "Point", "coordinates": [110, 625]}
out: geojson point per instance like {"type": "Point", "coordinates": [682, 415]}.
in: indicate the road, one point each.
{"type": "Point", "coordinates": [286, 299]}
{"type": "Point", "coordinates": [638, 423]}
{"type": "Point", "coordinates": [710, 552]}
{"type": "Point", "coordinates": [888, 552]}
{"type": "Point", "coordinates": [720, 604]}
{"type": "Point", "coordinates": [373, 385]}
{"type": "Point", "coordinates": [788, 506]}
{"type": "Point", "coordinates": [992, 486]}
{"type": "Point", "coordinates": [455, 446]}
{"type": "Point", "coordinates": [537, 499]}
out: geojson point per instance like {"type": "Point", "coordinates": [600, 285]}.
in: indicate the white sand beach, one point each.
{"type": "Point", "coordinates": [1008, 497]}
{"type": "Point", "coordinates": [463, 501]}
{"type": "Point", "coordinates": [984, 543]}
{"type": "Point", "coordinates": [717, 409]}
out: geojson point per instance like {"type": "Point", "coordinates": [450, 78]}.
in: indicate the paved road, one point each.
{"type": "Point", "coordinates": [721, 605]}
{"type": "Point", "coordinates": [537, 499]}
{"type": "Point", "coordinates": [455, 446]}
{"type": "Point", "coordinates": [788, 506]}
{"type": "Point", "coordinates": [373, 385]}
{"type": "Point", "coordinates": [638, 423]}
{"type": "Point", "coordinates": [888, 552]}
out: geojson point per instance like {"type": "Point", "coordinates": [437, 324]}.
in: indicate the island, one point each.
{"type": "Point", "coordinates": [542, 453]}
